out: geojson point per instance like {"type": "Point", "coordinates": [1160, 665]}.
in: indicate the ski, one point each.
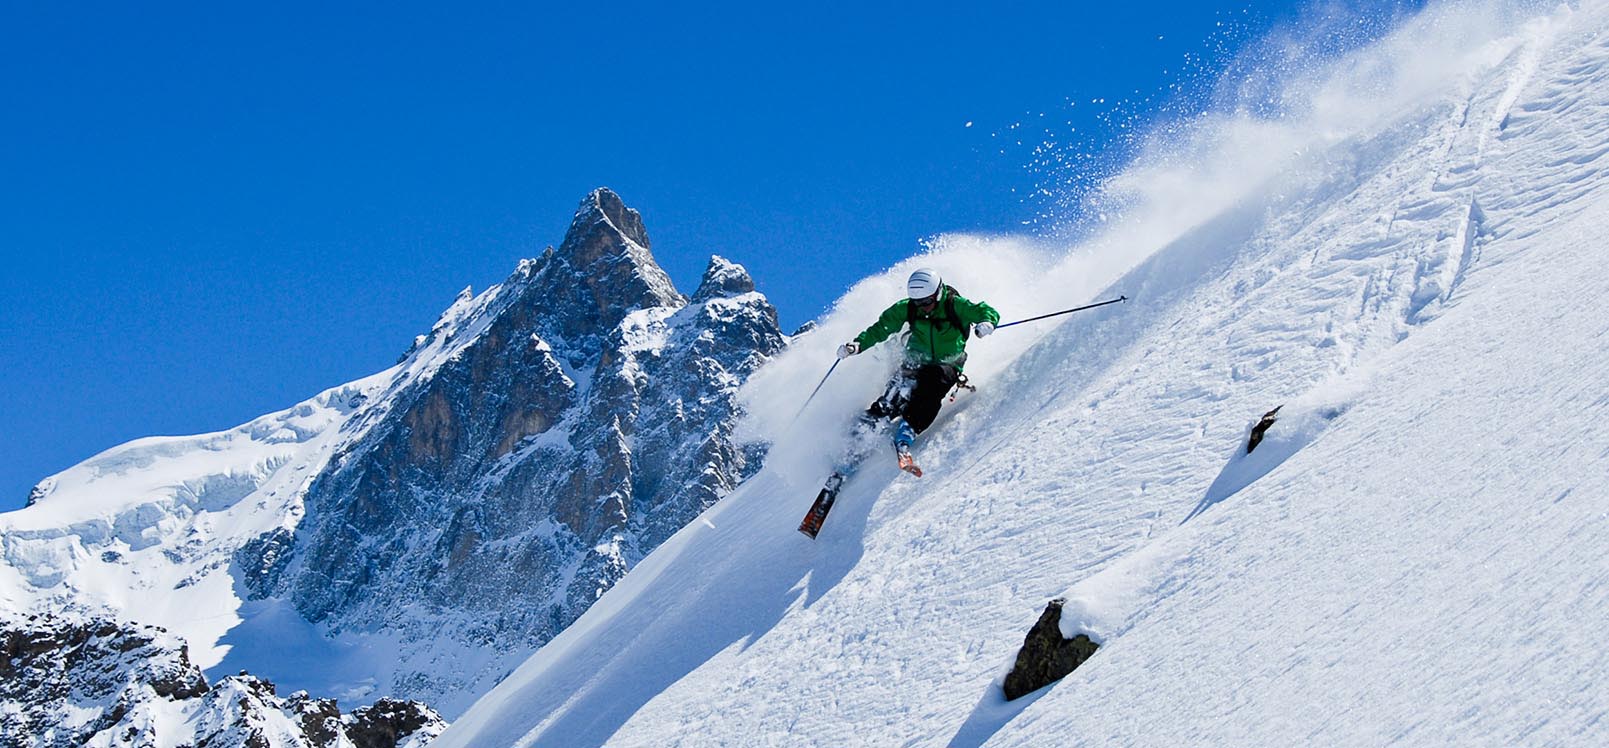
{"type": "Point", "coordinates": [818, 511]}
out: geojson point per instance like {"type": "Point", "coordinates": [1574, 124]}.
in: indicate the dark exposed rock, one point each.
{"type": "Point", "coordinates": [47, 664]}
{"type": "Point", "coordinates": [262, 558]}
{"type": "Point", "coordinates": [40, 491]}
{"type": "Point", "coordinates": [320, 719]}
{"type": "Point", "coordinates": [1261, 428]}
{"type": "Point", "coordinates": [66, 682]}
{"type": "Point", "coordinates": [387, 722]}
{"type": "Point", "coordinates": [602, 271]}
{"type": "Point", "coordinates": [1046, 656]}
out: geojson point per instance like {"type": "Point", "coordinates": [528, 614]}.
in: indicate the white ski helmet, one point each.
{"type": "Point", "coordinates": [923, 283]}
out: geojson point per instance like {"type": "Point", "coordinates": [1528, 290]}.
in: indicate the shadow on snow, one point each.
{"type": "Point", "coordinates": [745, 593]}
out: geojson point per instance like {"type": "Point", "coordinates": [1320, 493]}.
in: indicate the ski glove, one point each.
{"type": "Point", "coordinates": [848, 349]}
{"type": "Point", "coordinates": [982, 329]}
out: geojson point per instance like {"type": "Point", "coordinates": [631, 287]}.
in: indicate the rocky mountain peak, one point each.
{"type": "Point", "coordinates": [603, 207]}
{"type": "Point", "coordinates": [723, 278]}
{"type": "Point", "coordinates": [605, 234]}
{"type": "Point", "coordinates": [579, 420]}
{"type": "Point", "coordinates": [604, 269]}
{"type": "Point", "coordinates": [468, 504]}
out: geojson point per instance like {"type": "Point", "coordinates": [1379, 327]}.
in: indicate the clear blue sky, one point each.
{"type": "Point", "coordinates": [211, 213]}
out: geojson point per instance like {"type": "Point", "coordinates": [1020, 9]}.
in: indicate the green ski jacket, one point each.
{"type": "Point", "coordinates": [936, 338]}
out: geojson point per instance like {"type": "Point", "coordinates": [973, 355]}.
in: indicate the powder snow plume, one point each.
{"type": "Point", "coordinates": [1273, 132]}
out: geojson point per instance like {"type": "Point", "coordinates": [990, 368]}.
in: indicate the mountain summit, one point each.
{"type": "Point", "coordinates": [604, 268]}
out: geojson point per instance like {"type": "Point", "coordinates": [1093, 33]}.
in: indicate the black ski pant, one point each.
{"type": "Point", "coordinates": [915, 394]}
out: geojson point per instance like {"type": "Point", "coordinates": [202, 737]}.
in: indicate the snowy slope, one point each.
{"type": "Point", "coordinates": [1407, 260]}
{"type": "Point", "coordinates": [152, 524]}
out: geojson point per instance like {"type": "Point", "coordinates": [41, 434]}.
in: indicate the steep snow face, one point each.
{"type": "Point", "coordinates": [1412, 554]}
{"type": "Point", "coordinates": [417, 533]}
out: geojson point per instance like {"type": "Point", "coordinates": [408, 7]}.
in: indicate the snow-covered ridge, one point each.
{"type": "Point", "coordinates": [1411, 555]}
{"type": "Point", "coordinates": [154, 520]}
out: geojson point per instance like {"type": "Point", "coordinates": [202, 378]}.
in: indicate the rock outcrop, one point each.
{"type": "Point", "coordinates": [68, 682]}
{"type": "Point", "coordinates": [1261, 427]}
{"type": "Point", "coordinates": [1046, 656]}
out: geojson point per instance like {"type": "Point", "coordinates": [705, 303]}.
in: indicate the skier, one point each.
{"type": "Point", "coordinates": [940, 321]}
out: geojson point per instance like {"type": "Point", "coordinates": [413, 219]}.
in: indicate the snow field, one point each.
{"type": "Point", "coordinates": [144, 535]}
{"type": "Point", "coordinates": [1408, 261]}
{"type": "Point", "coordinates": [1427, 571]}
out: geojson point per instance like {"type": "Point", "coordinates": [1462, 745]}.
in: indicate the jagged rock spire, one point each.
{"type": "Point", "coordinates": [603, 211]}
{"type": "Point", "coordinates": [607, 238]}
{"type": "Point", "coordinates": [610, 270]}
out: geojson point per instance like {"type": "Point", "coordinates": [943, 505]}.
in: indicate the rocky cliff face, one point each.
{"type": "Point", "coordinates": [66, 683]}
{"type": "Point", "coordinates": [588, 420]}
{"type": "Point", "coordinates": [419, 532]}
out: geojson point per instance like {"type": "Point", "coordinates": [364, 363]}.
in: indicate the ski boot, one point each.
{"type": "Point", "coordinates": [904, 437]}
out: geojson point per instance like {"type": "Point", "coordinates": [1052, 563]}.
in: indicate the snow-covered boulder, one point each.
{"type": "Point", "coordinates": [1046, 655]}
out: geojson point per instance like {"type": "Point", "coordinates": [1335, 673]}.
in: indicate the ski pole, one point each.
{"type": "Point", "coordinates": [817, 389]}
{"type": "Point", "coordinates": [1064, 311]}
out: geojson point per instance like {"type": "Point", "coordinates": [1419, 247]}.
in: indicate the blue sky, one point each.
{"type": "Point", "coordinates": [211, 213]}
